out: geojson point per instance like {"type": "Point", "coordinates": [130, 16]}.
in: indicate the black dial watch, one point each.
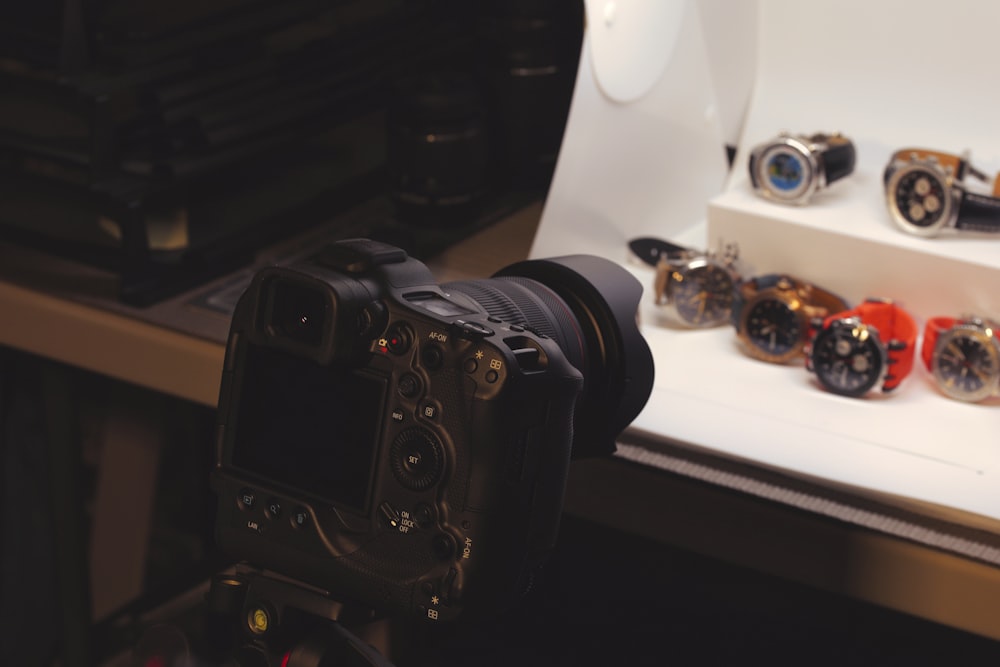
{"type": "Point", "coordinates": [791, 168]}
{"type": "Point", "coordinates": [926, 193]}
{"type": "Point", "coordinates": [963, 356]}
{"type": "Point", "coordinates": [870, 347]}
{"type": "Point", "coordinates": [695, 286]}
{"type": "Point", "coordinates": [772, 313]}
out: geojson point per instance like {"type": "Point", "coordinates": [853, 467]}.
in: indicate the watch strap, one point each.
{"type": "Point", "coordinates": [949, 161]}
{"type": "Point", "coordinates": [839, 157]}
{"type": "Point", "coordinates": [898, 332]}
{"type": "Point", "coordinates": [978, 213]}
{"type": "Point", "coordinates": [651, 250]}
{"type": "Point", "coordinates": [933, 329]}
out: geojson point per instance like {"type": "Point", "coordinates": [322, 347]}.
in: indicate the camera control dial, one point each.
{"type": "Point", "coordinates": [417, 459]}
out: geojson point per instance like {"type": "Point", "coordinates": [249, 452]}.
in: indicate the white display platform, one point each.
{"type": "Point", "coordinates": [844, 240]}
{"type": "Point", "coordinates": [822, 66]}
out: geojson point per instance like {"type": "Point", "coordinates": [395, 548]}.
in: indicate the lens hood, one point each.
{"type": "Point", "coordinates": [618, 373]}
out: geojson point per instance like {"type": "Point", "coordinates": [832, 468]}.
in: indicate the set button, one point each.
{"type": "Point", "coordinates": [417, 459]}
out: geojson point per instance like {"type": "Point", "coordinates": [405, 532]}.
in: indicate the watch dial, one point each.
{"type": "Point", "coordinates": [966, 365]}
{"type": "Point", "coordinates": [847, 359]}
{"type": "Point", "coordinates": [784, 172]}
{"type": "Point", "coordinates": [773, 329]}
{"type": "Point", "coordinates": [921, 198]}
{"type": "Point", "coordinates": [703, 295]}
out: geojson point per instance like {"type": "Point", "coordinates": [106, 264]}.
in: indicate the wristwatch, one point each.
{"type": "Point", "coordinates": [926, 193]}
{"type": "Point", "coordinates": [963, 356]}
{"type": "Point", "coordinates": [772, 313]}
{"type": "Point", "coordinates": [792, 167]}
{"type": "Point", "coordinates": [865, 348]}
{"type": "Point", "coordinates": [696, 286]}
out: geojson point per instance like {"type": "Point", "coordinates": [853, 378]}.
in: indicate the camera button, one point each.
{"type": "Point", "coordinates": [246, 499]}
{"type": "Point", "coordinates": [429, 411]}
{"type": "Point", "coordinates": [470, 365]}
{"type": "Point", "coordinates": [492, 376]}
{"type": "Point", "coordinates": [409, 385]}
{"type": "Point", "coordinates": [398, 339]}
{"type": "Point", "coordinates": [432, 357]}
{"type": "Point", "coordinates": [423, 514]}
{"type": "Point", "coordinates": [273, 509]}
{"type": "Point", "coordinates": [300, 517]}
{"type": "Point", "coordinates": [417, 459]}
{"type": "Point", "coordinates": [443, 546]}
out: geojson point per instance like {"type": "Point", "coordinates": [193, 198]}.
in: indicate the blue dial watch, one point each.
{"type": "Point", "coordinates": [791, 168]}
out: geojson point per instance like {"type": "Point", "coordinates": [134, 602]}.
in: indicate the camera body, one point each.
{"type": "Point", "coordinates": [389, 440]}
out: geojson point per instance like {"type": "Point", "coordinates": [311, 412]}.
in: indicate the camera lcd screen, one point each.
{"type": "Point", "coordinates": [308, 427]}
{"type": "Point", "coordinates": [437, 304]}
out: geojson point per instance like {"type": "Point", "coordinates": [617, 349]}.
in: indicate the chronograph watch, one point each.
{"type": "Point", "coordinates": [963, 356]}
{"type": "Point", "coordinates": [696, 287]}
{"type": "Point", "coordinates": [926, 193]}
{"type": "Point", "coordinates": [791, 168]}
{"type": "Point", "coordinates": [771, 314]}
{"type": "Point", "coordinates": [870, 347]}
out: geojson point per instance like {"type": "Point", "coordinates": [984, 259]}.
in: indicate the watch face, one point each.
{"type": "Point", "coordinates": [703, 294]}
{"type": "Point", "coordinates": [966, 364]}
{"type": "Point", "coordinates": [847, 358]}
{"type": "Point", "coordinates": [919, 199]}
{"type": "Point", "coordinates": [785, 173]}
{"type": "Point", "coordinates": [773, 330]}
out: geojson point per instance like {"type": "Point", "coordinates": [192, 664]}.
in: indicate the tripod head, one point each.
{"type": "Point", "coordinates": [258, 619]}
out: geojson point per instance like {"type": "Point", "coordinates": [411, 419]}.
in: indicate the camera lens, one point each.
{"type": "Point", "coordinates": [588, 306]}
{"type": "Point", "coordinates": [297, 312]}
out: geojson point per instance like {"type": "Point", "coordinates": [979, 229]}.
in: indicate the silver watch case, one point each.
{"type": "Point", "coordinates": [941, 199]}
{"type": "Point", "coordinates": [988, 333]}
{"type": "Point", "coordinates": [801, 187]}
{"type": "Point", "coordinates": [674, 269]}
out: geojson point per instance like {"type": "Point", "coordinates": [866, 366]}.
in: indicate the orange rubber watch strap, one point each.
{"type": "Point", "coordinates": [932, 331]}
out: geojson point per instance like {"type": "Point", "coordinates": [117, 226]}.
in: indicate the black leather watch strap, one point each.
{"type": "Point", "coordinates": [839, 158]}
{"type": "Point", "coordinates": [980, 213]}
{"type": "Point", "coordinates": [650, 249]}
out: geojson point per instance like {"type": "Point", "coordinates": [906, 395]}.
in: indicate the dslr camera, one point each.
{"type": "Point", "coordinates": [404, 445]}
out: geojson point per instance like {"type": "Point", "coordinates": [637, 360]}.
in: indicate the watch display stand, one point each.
{"type": "Point", "coordinates": [614, 182]}
{"type": "Point", "coordinates": [845, 240]}
{"type": "Point", "coordinates": [912, 445]}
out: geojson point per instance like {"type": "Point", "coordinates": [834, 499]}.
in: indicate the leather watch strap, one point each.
{"type": "Point", "coordinates": [651, 249]}
{"type": "Point", "coordinates": [956, 163]}
{"type": "Point", "coordinates": [839, 157]}
{"type": "Point", "coordinates": [978, 213]}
